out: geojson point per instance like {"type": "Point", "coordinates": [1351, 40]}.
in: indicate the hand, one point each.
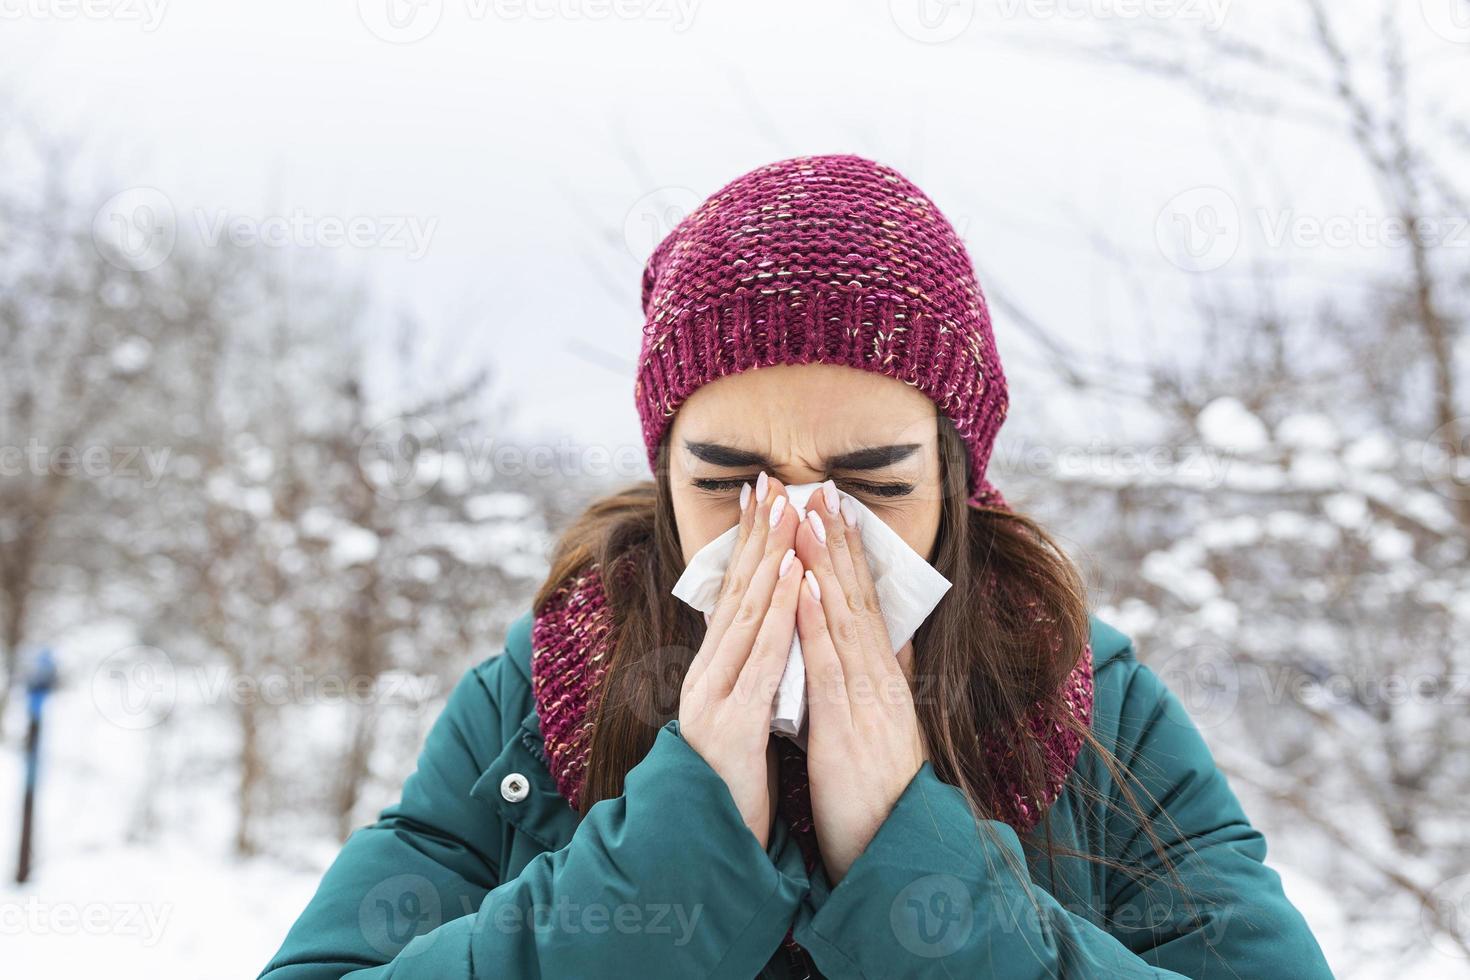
{"type": "Point", "coordinates": [725, 703]}
{"type": "Point", "coordinates": [863, 742]}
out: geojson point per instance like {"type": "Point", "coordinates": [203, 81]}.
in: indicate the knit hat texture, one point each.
{"type": "Point", "coordinates": [823, 259]}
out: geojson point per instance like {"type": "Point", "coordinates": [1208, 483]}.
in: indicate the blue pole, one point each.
{"type": "Point", "coordinates": [41, 680]}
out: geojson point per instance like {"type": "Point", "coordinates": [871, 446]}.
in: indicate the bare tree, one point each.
{"type": "Point", "coordinates": [1294, 560]}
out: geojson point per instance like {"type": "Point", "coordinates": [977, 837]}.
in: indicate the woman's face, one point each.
{"type": "Point", "coordinates": [875, 436]}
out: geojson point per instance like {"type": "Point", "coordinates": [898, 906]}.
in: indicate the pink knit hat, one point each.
{"type": "Point", "coordinates": [828, 259]}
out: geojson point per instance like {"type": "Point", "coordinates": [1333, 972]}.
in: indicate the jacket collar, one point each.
{"type": "Point", "coordinates": [544, 816]}
{"type": "Point", "coordinates": [1107, 644]}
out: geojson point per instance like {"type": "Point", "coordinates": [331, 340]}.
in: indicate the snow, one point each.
{"type": "Point", "coordinates": [110, 895]}
{"type": "Point", "coordinates": [1374, 450]}
{"type": "Point", "coordinates": [131, 355]}
{"type": "Point", "coordinates": [1227, 424]}
{"type": "Point", "coordinates": [1315, 471]}
{"type": "Point", "coordinates": [318, 523]}
{"type": "Point", "coordinates": [353, 546]}
{"type": "Point", "coordinates": [1347, 510]}
{"type": "Point", "coordinates": [150, 912]}
{"type": "Point", "coordinates": [498, 506]}
{"type": "Point", "coordinates": [1176, 572]}
{"type": "Point", "coordinates": [1308, 430]}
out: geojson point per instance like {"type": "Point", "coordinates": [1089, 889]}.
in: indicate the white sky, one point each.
{"type": "Point", "coordinates": [530, 146]}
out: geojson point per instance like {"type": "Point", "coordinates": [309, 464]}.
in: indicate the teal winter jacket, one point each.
{"type": "Point", "coordinates": [481, 870]}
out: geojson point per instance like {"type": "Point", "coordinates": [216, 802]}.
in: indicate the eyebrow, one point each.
{"type": "Point", "coordinates": [871, 458]}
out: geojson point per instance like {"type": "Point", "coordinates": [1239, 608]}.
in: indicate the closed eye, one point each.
{"type": "Point", "coordinates": [863, 488]}
{"type": "Point", "coordinates": [724, 485]}
{"type": "Point", "coordinates": [867, 488]}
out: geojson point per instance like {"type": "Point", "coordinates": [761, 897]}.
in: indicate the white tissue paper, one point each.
{"type": "Point", "coordinates": [908, 590]}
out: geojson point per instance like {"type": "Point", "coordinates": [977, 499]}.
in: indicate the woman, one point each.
{"type": "Point", "coordinates": [1012, 795]}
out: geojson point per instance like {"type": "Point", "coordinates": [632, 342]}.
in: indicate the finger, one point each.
{"type": "Point", "coordinates": [846, 618]}
{"type": "Point", "coordinates": [762, 672]}
{"type": "Point", "coordinates": [747, 521]}
{"type": "Point", "coordinates": [714, 623]}
{"type": "Point", "coordinates": [748, 555]}
{"type": "Point", "coordinates": [852, 543]}
{"type": "Point", "coordinates": [732, 566]}
{"type": "Point", "coordinates": [826, 515]}
{"type": "Point", "coordinates": [826, 684]}
{"type": "Point", "coordinates": [849, 558]}
{"type": "Point", "coordinates": [747, 614]}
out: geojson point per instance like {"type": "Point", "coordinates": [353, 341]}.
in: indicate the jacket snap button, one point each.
{"type": "Point", "coordinates": [514, 788]}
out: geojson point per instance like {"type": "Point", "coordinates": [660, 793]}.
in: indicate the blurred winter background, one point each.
{"type": "Point", "coordinates": [318, 320]}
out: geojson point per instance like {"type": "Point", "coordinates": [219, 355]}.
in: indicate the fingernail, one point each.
{"type": "Point", "coordinates": [812, 586]}
{"type": "Point", "coordinates": [849, 512]}
{"type": "Point", "coordinates": [778, 507]}
{"type": "Point", "coordinates": [744, 496]}
{"type": "Point", "coordinates": [817, 528]}
{"type": "Point", "coordinates": [762, 487]}
{"type": "Point", "coordinates": [829, 493]}
{"type": "Point", "coordinates": [786, 561]}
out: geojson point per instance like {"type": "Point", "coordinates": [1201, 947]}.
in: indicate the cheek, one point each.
{"type": "Point", "coordinates": [700, 519]}
{"type": "Point", "coordinates": [918, 525]}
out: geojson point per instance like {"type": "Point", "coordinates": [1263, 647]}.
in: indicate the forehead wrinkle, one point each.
{"type": "Point", "coordinates": [793, 443]}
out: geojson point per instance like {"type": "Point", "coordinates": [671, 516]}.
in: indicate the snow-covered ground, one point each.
{"type": "Point", "coordinates": [133, 875]}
